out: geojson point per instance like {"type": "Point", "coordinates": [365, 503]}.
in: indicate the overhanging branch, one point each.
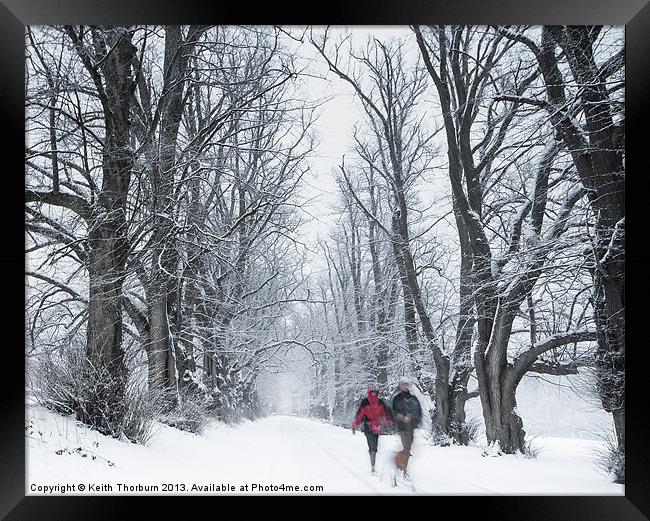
{"type": "Point", "coordinates": [69, 201]}
{"type": "Point", "coordinates": [524, 362]}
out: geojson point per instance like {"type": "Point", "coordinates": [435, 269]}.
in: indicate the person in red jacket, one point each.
{"type": "Point", "coordinates": [375, 417]}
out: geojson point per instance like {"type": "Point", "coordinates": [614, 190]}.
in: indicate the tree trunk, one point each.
{"type": "Point", "coordinates": [619, 427]}
{"type": "Point", "coordinates": [461, 358]}
{"type": "Point", "coordinates": [457, 426]}
{"type": "Point", "coordinates": [610, 353]}
{"type": "Point", "coordinates": [380, 313]}
{"type": "Point", "coordinates": [498, 386]}
{"type": "Point", "coordinates": [509, 431]}
{"type": "Point", "coordinates": [442, 400]}
{"type": "Point", "coordinates": [598, 157]}
{"type": "Point", "coordinates": [177, 52]}
{"type": "Point", "coordinates": [107, 235]}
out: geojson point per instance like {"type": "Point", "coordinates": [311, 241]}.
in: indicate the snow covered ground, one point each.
{"type": "Point", "coordinates": [278, 452]}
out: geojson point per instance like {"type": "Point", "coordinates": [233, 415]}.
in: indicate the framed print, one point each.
{"type": "Point", "coordinates": [378, 252]}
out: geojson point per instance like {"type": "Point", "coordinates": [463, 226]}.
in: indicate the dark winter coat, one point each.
{"type": "Point", "coordinates": [405, 403]}
{"type": "Point", "coordinates": [373, 414]}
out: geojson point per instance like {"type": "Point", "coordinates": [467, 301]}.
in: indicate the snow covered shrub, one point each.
{"type": "Point", "coordinates": [492, 450]}
{"type": "Point", "coordinates": [101, 402]}
{"type": "Point", "coordinates": [531, 450]}
{"type": "Point", "coordinates": [231, 400]}
{"type": "Point", "coordinates": [319, 411]}
{"type": "Point", "coordinates": [143, 408]}
{"type": "Point", "coordinates": [251, 405]}
{"type": "Point", "coordinates": [441, 439]}
{"type": "Point", "coordinates": [69, 383]}
{"type": "Point", "coordinates": [611, 460]}
{"type": "Point", "coordinates": [189, 412]}
{"type": "Point", "coordinates": [52, 383]}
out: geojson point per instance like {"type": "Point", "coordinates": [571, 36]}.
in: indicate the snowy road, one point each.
{"type": "Point", "coordinates": [284, 454]}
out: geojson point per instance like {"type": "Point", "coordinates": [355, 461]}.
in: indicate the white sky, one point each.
{"type": "Point", "coordinates": [337, 117]}
{"type": "Point", "coordinates": [336, 120]}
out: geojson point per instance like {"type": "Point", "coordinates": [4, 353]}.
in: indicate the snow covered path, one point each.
{"type": "Point", "coordinates": [292, 452]}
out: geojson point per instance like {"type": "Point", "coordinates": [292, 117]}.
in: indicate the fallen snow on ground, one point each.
{"type": "Point", "coordinates": [277, 452]}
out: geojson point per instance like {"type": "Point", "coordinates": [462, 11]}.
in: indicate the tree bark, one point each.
{"type": "Point", "coordinates": [107, 233]}
{"type": "Point", "coordinates": [163, 363]}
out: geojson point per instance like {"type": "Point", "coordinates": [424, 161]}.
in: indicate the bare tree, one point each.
{"type": "Point", "coordinates": [588, 116]}
{"type": "Point", "coordinates": [400, 154]}
{"type": "Point", "coordinates": [465, 73]}
{"type": "Point", "coordinates": [108, 57]}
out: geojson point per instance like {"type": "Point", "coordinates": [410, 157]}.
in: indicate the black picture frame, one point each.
{"type": "Point", "coordinates": [16, 14]}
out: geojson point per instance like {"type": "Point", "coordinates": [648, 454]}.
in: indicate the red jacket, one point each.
{"type": "Point", "coordinates": [375, 413]}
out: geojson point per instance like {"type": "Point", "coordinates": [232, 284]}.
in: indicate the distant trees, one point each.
{"type": "Point", "coordinates": [395, 154]}
{"type": "Point", "coordinates": [357, 319]}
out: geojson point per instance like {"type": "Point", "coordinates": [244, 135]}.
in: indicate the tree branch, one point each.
{"type": "Point", "coordinates": [553, 368]}
{"type": "Point", "coordinates": [523, 362]}
{"type": "Point", "coordinates": [56, 284]}
{"type": "Point", "coordinates": [69, 201]}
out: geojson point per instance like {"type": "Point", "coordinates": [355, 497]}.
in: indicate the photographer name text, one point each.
{"type": "Point", "coordinates": [174, 488]}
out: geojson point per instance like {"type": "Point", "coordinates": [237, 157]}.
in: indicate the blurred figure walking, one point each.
{"type": "Point", "coordinates": [408, 415]}
{"type": "Point", "coordinates": [375, 418]}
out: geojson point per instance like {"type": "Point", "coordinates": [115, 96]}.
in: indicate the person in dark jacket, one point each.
{"type": "Point", "coordinates": [375, 418]}
{"type": "Point", "coordinates": [408, 415]}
